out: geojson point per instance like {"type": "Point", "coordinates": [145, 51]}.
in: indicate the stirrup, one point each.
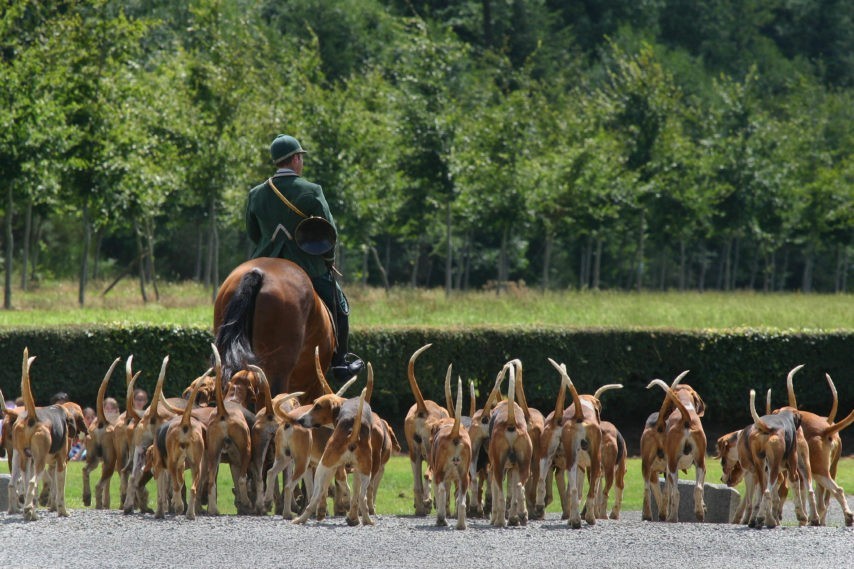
{"type": "Point", "coordinates": [353, 365]}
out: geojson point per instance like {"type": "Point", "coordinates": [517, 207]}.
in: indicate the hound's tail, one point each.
{"type": "Point", "coordinates": [413, 384]}
{"type": "Point", "coordinates": [102, 390]}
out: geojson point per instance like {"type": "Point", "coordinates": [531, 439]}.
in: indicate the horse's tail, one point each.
{"type": "Point", "coordinates": [234, 337]}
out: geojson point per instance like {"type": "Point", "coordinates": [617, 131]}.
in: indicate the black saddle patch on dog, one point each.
{"type": "Point", "coordinates": [55, 417]}
{"type": "Point", "coordinates": [160, 438]}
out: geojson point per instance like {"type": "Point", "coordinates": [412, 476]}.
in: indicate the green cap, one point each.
{"type": "Point", "coordinates": [283, 147]}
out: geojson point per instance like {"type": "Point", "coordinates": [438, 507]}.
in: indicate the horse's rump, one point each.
{"type": "Point", "coordinates": [267, 313]}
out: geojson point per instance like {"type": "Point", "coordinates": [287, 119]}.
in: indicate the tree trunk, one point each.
{"type": "Point", "coordinates": [200, 247]}
{"type": "Point", "coordinates": [809, 260]}
{"type": "Point", "coordinates": [704, 265]}
{"type": "Point", "coordinates": [152, 268]}
{"type": "Point", "coordinates": [768, 271]}
{"type": "Point", "coordinates": [413, 280]}
{"type": "Point", "coordinates": [140, 250]}
{"type": "Point", "coordinates": [214, 252]}
{"type": "Point", "coordinates": [467, 272]}
{"type": "Point", "coordinates": [37, 237]}
{"type": "Point", "coordinates": [781, 284]}
{"type": "Point", "coordinates": [582, 269]}
{"type": "Point", "coordinates": [25, 257]}
{"type": "Point", "coordinates": [96, 258]}
{"type": "Point", "coordinates": [734, 273]}
{"type": "Point", "coordinates": [7, 286]}
{"type": "Point", "coordinates": [209, 277]}
{"type": "Point", "coordinates": [84, 261]}
{"type": "Point", "coordinates": [547, 258]}
{"type": "Point", "coordinates": [365, 255]}
{"type": "Point", "coordinates": [502, 262]}
{"type": "Point", "coordinates": [754, 269]}
{"type": "Point", "coordinates": [682, 265]}
{"type": "Point", "coordinates": [597, 264]}
{"type": "Point", "coordinates": [839, 276]}
{"type": "Point", "coordinates": [449, 256]}
{"type": "Point", "coordinates": [662, 275]}
{"type": "Point", "coordinates": [487, 22]}
{"type": "Point", "coordinates": [641, 241]}
{"type": "Point", "coordinates": [383, 272]}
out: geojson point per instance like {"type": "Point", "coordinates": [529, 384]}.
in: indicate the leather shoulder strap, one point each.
{"type": "Point", "coordinates": [285, 200]}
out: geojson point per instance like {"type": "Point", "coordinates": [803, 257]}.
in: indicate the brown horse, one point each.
{"type": "Point", "coordinates": [267, 314]}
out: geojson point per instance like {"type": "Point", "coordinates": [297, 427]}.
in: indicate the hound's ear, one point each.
{"type": "Point", "coordinates": [598, 406]}
{"type": "Point", "coordinates": [797, 416]}
{"type": "Point", "coordinates": [335, 410]}
{"type": "Point", "coordinates": [699, 405]}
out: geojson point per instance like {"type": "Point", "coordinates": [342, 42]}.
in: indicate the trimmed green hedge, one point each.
{"type": "Point", "coordinates": [724, 364]}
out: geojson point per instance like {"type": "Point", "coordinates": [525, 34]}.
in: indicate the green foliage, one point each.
{"type": "Point", "coordinates": [524, 134]}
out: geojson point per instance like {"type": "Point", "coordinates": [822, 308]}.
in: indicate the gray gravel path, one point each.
{"type": "Point", "coordinates": [93, 539]}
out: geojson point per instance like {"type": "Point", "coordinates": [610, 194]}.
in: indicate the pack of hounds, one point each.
{"type": "Point", "coordinates": [504, 458]}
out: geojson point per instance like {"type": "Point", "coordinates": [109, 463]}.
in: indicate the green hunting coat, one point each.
{"type": "Point", "coordinates": [270, 223]}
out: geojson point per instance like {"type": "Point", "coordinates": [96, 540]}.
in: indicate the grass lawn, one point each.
{"type": "Point", "coordinates": [395, 495]}
{"type": "Point", "coordinates": [190, 304]}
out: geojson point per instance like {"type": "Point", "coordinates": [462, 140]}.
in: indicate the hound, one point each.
{"type": "Point", "coordinates": [510, 451]}
{"type": "Point", "coordinates": [536, 424]}
{"type": "Point", "coordinates": [613, 470]}
{"type": "Point", "coordinates": [349, 445]}
{"type": "Point", "coordinates": [479, 432]}
{"type": "Point", "coordinates": [227, 433]}
{"type": "Point", "coordinates": [684, 446]}
{"type": "Point", "coordinates": [204, 393]}
{"type": "Point", "coordinates": [180, 445]}
{"type": "Point", "coordinates": [776, 443]}
{"type": "Point", "coordinates": [16, 483]}
{"type": "Point", "coordinates": [416, 431]}
{"type": "Point", "coordinates": [100, 448]}
{"type": "Point", "coordinates": [122, 431]}
{"type": "Point", "coordinates": [40, 438]}
{"type": "Point", "coordinates": [292, 448]}
{"type": "Point", "coordinates": [581, 438]}
{"type": "Point", "coordinates": [142, 437]}
{"type": "Point", "coordinates": [383, 442]}
{"type": "Point", "coordinates": [551, 457]}
{"type": "Point", "coordinates": [825, 448]}
{"type": "Point", "coordinates": [266, 425]}
{"type": "Point", "coordinates": [450, 457]}
{"type": "Point", "coordinates": [734, 453]}
{"type": "Point", "coordinates": [653, 460]}
{"type": "Point", "coordinates": [552, 454]}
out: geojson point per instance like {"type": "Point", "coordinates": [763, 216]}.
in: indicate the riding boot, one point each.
{"type": "Point", "coordinates": [344, 364]}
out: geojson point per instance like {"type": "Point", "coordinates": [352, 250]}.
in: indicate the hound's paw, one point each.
{"type": "Point", "coordinates": [352, 521]}
{"type": "Point", "coordinates": [441, 522]}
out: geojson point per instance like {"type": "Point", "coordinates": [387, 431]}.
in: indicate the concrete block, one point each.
{"type": "Point", "coordinates": [721, 502]}
{"type": "Point", "coordinates": [4, 492]}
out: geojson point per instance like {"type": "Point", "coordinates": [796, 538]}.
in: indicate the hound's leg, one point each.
{"type": "Point", "coordinates": [322, 476]}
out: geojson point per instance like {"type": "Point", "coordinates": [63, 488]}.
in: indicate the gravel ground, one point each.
{"type": "Point", "coordinates": [94, 539]}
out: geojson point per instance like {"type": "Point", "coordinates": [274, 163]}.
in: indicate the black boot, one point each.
{"type": "Point", "coordinates": [344, 364]}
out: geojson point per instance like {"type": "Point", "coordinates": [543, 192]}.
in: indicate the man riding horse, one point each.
{"type": "Point", "coordinates": [288, 217]}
